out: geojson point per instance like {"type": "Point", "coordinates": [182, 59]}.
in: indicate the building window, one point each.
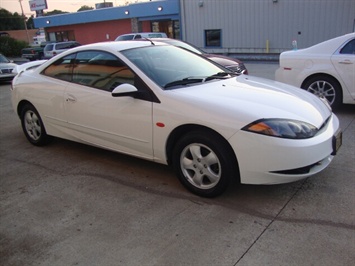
{"type": "Point", "coordinates": [170, 27]}
{"type": "Point", "coordinates": [61, 36]}
{"type": "Point", "coordinates": [213, 38]}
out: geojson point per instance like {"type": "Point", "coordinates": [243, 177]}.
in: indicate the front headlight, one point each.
{"type": "Point", "coordinates": [281, 128]}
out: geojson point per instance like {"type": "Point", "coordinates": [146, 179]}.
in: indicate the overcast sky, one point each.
{"type": "Point", "coordinates": [64, 5]}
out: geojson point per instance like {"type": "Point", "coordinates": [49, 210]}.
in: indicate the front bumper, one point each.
{"type": "Point", "coordinates": [269, 160]}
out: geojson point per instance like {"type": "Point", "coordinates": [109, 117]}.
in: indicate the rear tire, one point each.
{"type": "Point", "coordinates": [204, 163]}
{"type": "Point", "coordinates": [33, 127]}
{"type": "Point", "coordinates": [324, 86]}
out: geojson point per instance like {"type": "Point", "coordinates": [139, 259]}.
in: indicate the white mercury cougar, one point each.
{"type": "Point", "coordinates": [165, 104]}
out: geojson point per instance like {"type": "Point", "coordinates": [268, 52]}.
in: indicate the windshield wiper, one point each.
{"type": "Point", "coordinates": [184, 81]}
{"type": "Point", "coordinates": [220, 75]}
{"type": "Point", "coordinates": [196, 79]}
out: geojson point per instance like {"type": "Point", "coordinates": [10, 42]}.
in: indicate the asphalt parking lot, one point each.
{"type": "Point", "coordinates": [71, 204]}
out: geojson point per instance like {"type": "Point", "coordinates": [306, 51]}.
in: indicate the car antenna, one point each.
{"type": "Point", "coordinates": [151, 42]}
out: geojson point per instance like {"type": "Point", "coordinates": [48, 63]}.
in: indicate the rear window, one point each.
{"type": "Point", "coordinates": [155, 35]}
{"type": "Point", "coordinates": [125, 37]}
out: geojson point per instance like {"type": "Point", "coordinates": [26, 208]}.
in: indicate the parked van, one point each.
{"type": "Point", "coordinates": [53, 49]}
{"type": "Point", "coordinates": [140, 35]}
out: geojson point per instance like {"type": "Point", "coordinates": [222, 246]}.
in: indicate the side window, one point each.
{"type": "Point", "coordinates": [75, 44]}
{"type": "Point", "coordinates": [213, 38]}
{"type": "Point", "coordinates": [61, 46]}
{"type": "Point", "coordinates": [101, 70]}
{"type": "Point", "coordinates": [60, 69]}
{"type": "Point", "coordinates": [349, 48]}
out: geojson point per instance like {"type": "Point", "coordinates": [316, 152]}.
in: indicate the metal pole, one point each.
{"type": "Point", "coordinates": [24, 21]}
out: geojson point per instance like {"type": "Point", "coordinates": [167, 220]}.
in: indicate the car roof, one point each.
{"type": "Point", "coordinates": [114, 46]}
{"type": "Point", "coordinates": [136, 33]}
{"type": "Point", "coordinates": [117, 45]}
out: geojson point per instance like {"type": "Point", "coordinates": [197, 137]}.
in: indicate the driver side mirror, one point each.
{"type": "Point", "coordinates": [124, 90]}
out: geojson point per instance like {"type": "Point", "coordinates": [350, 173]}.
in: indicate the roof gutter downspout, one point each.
{"type": "Point", "coordinates": [182, 20]}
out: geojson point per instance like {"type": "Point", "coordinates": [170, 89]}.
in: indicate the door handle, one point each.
{"type": "Point", "coordinates": [346, 62]}
{"type": "Point", "coordinates": [70, 98]}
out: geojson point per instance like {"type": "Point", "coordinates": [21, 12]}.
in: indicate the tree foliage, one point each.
{"type": "Point", "coordinates": [55, 12]}
{"type": "Point", "coordinates": [9, 21]}
{"type": "Point", "coordinates": [30, 23]}
{"type": "Point", "coordinates": [11, 47]}
{"type": "Point", "coordinates": [15, 21]}
{"type": "Point", "coordinates": [84, 8]}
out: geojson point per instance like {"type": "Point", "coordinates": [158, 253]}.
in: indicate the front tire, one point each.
{"type": "Point", "coordinates": [204, 163]}
{"type": "Point", "coordinates": [324, 86]}
{"type": "Point", "coordinates": [33, 127]}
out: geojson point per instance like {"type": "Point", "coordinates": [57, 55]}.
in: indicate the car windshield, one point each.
{"type": "Point", "coordinates": [3, 59]}
{"type": "Point", "coordinates": [173, 67]}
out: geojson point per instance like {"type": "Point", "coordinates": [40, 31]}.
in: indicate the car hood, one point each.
{"type": "Point", "coordinates": [7, 65]}
{"type": "Point", "coordinates": [245, 99]}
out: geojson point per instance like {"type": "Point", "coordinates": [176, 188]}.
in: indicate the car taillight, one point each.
{"type": "Point", "coordinates": [32, 52]}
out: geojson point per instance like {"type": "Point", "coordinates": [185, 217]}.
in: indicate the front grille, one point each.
{"type": "Point", "coordinates": [297, 171]}
{"type": "Point", "coordinates": [6, 71]}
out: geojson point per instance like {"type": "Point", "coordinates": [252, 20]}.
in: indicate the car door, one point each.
{"type": "Point", "coordinates": [122, 124]}
{"type": "Point", "coordinates": [344, 63]}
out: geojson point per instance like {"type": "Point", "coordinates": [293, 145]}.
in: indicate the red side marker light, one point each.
{"type": "Point", "coordinates": [159, 124]}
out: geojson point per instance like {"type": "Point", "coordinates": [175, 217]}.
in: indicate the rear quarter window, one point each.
{"type": "Point", "coordinates": [349, 48]}
{"type": "Point", "coordinates": [49, 47]}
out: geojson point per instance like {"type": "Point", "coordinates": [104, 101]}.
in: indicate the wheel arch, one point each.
{"type": "Point", "coordinates": [21, 105]}
{"type": "Point", "coordinates": [180, 131]}
{"type": "Point", "coordinates": [320, 74]}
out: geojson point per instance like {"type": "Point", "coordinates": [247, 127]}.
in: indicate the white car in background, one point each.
{"type": "Point", "coordinates": [140, 35]}
{"type": "Point", "coordinates": [326, 69]}
{"type": "Point", "coordinates": [27, 66]}
{"type": "Point", "coordinates": [6, 69]}
{"type": "Point", "coordinates": [169, 105]}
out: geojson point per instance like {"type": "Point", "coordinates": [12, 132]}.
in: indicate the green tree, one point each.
{"type": "Point", "coordinates": [55, 12]}
{"type": "Point", "coordinates": [9, 21]}
{"type": "Point", "coordinates": [84, 8]}
{"type": "Point", "coordinates": [30, 23]}
{"type": "Point", "coordinates": [11, 47]}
